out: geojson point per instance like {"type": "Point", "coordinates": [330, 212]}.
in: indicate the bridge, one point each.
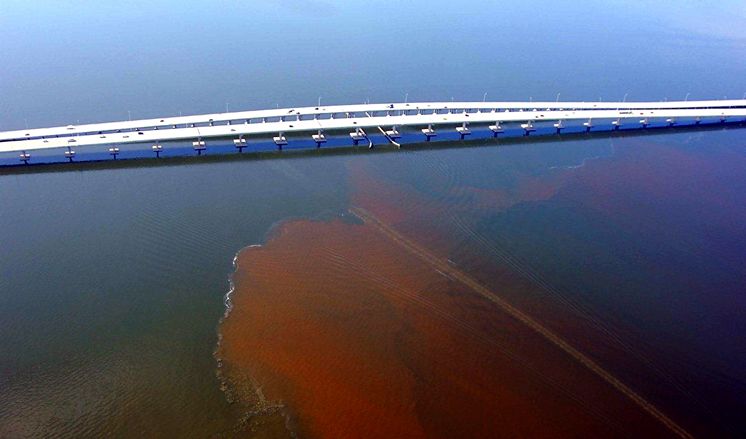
{"type": "Point", "coordinates": [427, 119]}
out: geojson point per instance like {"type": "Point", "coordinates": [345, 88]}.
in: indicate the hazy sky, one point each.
{"type": "Point", "coordinates": [69, 61]}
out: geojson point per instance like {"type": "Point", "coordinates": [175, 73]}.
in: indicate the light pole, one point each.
{"type": "Point", "coordinates": [406, 97]}
{"type": "Point", "coordinates": [625, 97]}
{"type": "Point", "coordinates": [557, 99]}
{"type": "Point", "coordinates": [484, 98]}
{"type": "Point", "coordinates": [686, 98]}
{"type": "Point", "coordinates": [129, 115]}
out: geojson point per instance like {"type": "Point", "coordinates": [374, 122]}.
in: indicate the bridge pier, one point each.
{"type": "Point", "coordinates": [239, 143]}
{"type": "Point", "coordinates": [319, 138]}
{"type": "Point", "coordinates": [70, 154]}
{"type": "Point", "coordinates": [463, 130]}
{"type": "Point", "coordinates": [496, 129]}
{"type": "Point", "coordinates": [357, 136]}
{"type": "Point", "coordinates": [616, 124]}
{"type": "Point", "coordinates": [25, 157]}
{"type": "Point", "coordinates": [280, 140]}
{"type": "Point", "coordinates": [429, 132]}
{"type": "Point", "coordinates": [588, 125]}
{"type": "Point", "coordinates": [199, 146]}
{"type": "Point", "coordinates": [558, 126]}
{"type": "Point", "coordinates": [527, 128]}
{"type": "Point", "coordinates": [157, 148]}
{"type": "Point", "coordinates": [114, 152]}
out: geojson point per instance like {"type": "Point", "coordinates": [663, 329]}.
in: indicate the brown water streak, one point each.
{"type": "Point", "coordinates": [361, 330]}
{"type": "Point", "coordinates": [528, 321]}
{"type": "Point", "coordinates": [354, 337]}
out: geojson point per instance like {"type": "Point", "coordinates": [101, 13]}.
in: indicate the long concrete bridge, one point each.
{"type": "Point", "coordinates": [428, 118]}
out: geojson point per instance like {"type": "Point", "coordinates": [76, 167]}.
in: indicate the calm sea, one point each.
{"type": "Point", "coordinates": [113, 282]}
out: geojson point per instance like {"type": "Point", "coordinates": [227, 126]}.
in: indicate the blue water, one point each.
{"type": "Point", "coordinates": [112, 281]}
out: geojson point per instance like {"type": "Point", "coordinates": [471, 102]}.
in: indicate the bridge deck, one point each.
{"type": "Point", "coordinates": [350, 117]}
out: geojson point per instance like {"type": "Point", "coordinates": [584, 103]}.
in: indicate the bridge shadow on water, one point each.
{"type": "Point", "coordinates": [382, 147]}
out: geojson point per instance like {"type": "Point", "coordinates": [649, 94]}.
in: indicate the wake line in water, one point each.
{"type": "Point", "coordinates": [364, 273]}
{"type": "Point", "coordinates": [555, 339]}
{"type": "Point", "coordinates": [524, 268]}
{"type": "Point", "coordinates": [586, 160]}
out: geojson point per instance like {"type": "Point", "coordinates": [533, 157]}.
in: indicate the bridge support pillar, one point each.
{"type": "Point", "coordinates": [463, 130]}
{"type": "Point", "coordinates": [429, 132]}
{"type": "Point", "coordinates": [239, 143]}
{"type": "Point", "coordinates": [527, 128]}
{"type": "Point", "coordinates": [357, 136]}
{"type": "Point", "coordinates": [199, 146]}
{"type": "Point", "coordinates": [319, 138]}
{"type": "Point", "coordinates": [280, 140]}
{"type": "Point", "coordinates": [69, 154]}
{"type": "Point", "coordinates": [496, 129]}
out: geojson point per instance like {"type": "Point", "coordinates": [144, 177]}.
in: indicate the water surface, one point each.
{"type": "Point", "coordinates": [112, 281]}
{"type": "Point", "coordinates": [612, 295]}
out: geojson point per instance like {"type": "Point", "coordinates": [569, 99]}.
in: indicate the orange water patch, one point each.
{"type": "Point", "coordinates": [397, 202]}
{"type": "Point", "coordinates": [358, 336]}
{"type": "Point", "coordinates": [367, 330]}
